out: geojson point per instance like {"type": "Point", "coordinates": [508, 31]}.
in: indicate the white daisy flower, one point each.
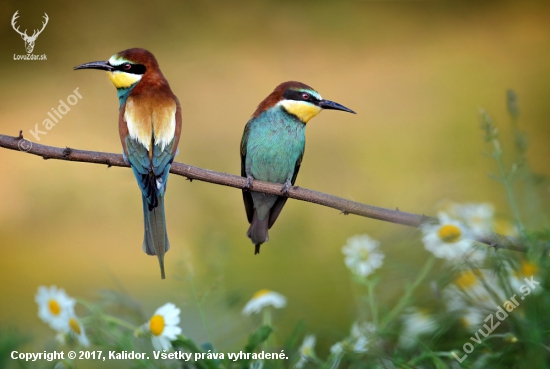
{"type": "Point", "coordinates": [472, 318]}
{"type": "Point", "coordinates": [468, 295]}
{"type": "Point", "coordinates": [362, 255]}
{"type": "Point", "coordinates": [450, 240]}
{"type": "Point", "coordinates": [361, 336]}
{"type": "Point", "coordinates": [306, 350]}
{"type": "Point", "coordinates": [77, 331]}
{"type": "Point", "coordinates": [55, 307]}
{"type": "Point", "coordinates": [163, 326]}
{"type": "Point", "coordinates": [526, 269]}
{"type": "Point", "coordinates": [337, 348]}
{"type": "Point", "coordinates": [337, 352]}
{"type": "Point", "coordinates": [486, 283]}
{"type": "Point", "coordinates": [358, 341]}
{"type": "Point", "coordinates": [415, 323]}
{"type": "Point", "coordinates": [264, 298]}
{"type": "Point", "coordinates": [480, 218]}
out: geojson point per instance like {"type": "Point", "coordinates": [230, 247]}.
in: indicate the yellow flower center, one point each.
{"type": "Point", "coordinates": [54, 307]}
{"type": "Point", "coordinates": [528, 269]}
{"type": "Point", "coordinates": [156, 325]}
{"type": "Point", "coordinates": [363, 254]}
{"type": "Point", "coordinates": [73, 323]}
{"type": "Point", "coordinates": [466, 279]}
{"type": "Point", "coordinates": [260, 293]}
{"type": "Point", "coordinates": [449, 233]}
{"type": "Point", "coordinates": [464, 322]}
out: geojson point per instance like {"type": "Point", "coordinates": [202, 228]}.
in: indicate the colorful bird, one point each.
{"type": "Point", "coordinates": [272, 149]}
{"type": "Point", "coordinates": [149, 124]}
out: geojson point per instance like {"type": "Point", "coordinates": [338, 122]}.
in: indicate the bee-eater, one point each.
{"type": "Point", "coordinates": [149, 124]}
{"type": "Point", "coordinates": [272, 149]}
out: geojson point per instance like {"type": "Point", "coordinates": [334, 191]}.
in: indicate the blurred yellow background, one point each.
{"type": "Point", "coordinates": [415, 72]}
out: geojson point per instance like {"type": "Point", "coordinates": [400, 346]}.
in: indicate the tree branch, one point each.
{"type": "Point", "coordinates": [191, 172]}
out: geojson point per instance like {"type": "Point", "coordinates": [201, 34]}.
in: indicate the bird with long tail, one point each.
{"type": "Point", "coordinates": [149, 125]}
{"type": "Point", "coordinates": [272, 149]}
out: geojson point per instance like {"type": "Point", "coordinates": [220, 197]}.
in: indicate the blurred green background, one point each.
{"type": "Point", "coordinates": [415, 72]}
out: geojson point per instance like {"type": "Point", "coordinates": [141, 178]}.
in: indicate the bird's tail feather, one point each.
{"type": "Point", "coordinates": [258, 231]}
{"type": "Point", "coordinates": [155, 241]}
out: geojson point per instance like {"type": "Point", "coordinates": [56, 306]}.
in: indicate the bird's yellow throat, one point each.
{"type": "Point", "coordinates": [123, 80]}
{"type": "Point", "coordinates": [303, 110]}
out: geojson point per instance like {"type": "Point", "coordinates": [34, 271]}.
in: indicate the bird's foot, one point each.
{"type": "Point", "coordinates": [248, 184]}
{"type": "Point", "coordinates": [286, 188]}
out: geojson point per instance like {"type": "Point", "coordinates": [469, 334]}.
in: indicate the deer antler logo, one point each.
{"type": "Point", "coordinates": [29, 40]}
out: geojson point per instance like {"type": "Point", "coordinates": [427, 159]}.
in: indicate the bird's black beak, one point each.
{"type": "Point", "coordinates": [327, 104]}
{"type": "Point", "coordinates": [102, 65]}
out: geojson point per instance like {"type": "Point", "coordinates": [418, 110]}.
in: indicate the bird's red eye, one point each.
{"type": "Point", "coordinates": [127, 66]}
{"type": "Point", "coordinates": [305, 96]}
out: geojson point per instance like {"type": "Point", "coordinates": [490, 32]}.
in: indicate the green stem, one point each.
{"type": "Point", "coordinates": [86, 304]}
{"type": "Point", "coordinates": [507, 184]}
{"type": "Point", "coordinates": [199, 304]}
{"type": "Point", "coordinates": [118, 321]}
{"type": "Point", "coordinates": [403, 301]}
{"type": "Point", "coordinates": [104, 317]}
{"type": "Point", "coordinates": [266, 318]}
{"type": "Point", "coordinates": [336, 361]}
{"type": "Point", "coordinates": [372, 302]}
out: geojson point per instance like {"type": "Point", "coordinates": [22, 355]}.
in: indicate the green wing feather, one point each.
{"type": "Point", "coordinates": [281, 201]}
{"type": "Point", "coordinates": [247, 196]}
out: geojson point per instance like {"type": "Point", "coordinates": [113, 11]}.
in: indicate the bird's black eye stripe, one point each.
{"type": "Point", "coordinates": [299, 96]}
{"type": "Point", "coordinates": [134, 68]}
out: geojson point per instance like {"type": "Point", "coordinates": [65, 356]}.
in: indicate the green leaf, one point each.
{"type": "Point", "coordinates": [258, 337]}
{"type": "Point", "coordinates": [292, 341]}
{"type": "Point", "coordinates": [186, 343]}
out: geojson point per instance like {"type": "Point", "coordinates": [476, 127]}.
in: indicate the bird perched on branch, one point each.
{"type": "Point", "coordinates": [149, 124]}
{"type": "Point", "coordinates": [272, 149]}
